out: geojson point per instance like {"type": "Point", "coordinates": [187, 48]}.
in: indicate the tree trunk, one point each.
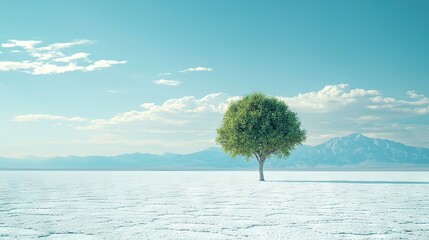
{"type": "Point", "coordinates": [261, 170]}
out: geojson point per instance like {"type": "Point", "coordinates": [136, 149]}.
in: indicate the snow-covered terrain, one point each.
{"type": "Point", "coordinates": [214, 205]}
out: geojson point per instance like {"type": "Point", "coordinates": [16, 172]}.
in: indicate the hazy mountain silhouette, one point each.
{"type": "Point", "coordinates": [354, 151]}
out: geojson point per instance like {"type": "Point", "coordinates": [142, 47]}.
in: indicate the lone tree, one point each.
{"type": "Point", "coordinates": [259, 126]}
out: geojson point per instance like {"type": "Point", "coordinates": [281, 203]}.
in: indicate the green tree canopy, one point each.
{"type": "Point", "coordinates": [259, 126]}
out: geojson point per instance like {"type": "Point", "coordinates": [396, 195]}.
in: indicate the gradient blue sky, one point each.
{"type": "Point", "coordinates": [155, 76]}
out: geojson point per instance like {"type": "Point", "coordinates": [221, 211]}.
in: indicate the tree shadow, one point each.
{"type": "Point", "coordinates": [349, 182]}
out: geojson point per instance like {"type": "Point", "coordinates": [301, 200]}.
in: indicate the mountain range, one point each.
{"type": "Point", "coordinates": [352, 152]}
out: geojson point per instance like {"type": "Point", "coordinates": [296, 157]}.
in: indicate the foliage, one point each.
{"type": "Point", "coordinates": [260, 126]}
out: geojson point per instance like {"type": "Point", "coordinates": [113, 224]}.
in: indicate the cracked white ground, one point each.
{"type": "Point", "coordinates": [214, 205]}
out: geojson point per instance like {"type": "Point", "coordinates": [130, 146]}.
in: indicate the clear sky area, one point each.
{"type": "Point", "coordinates": [113, 77]}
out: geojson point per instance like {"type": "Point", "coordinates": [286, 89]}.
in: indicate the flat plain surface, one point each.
{"type": "Point", "coordinates": [214, 205]}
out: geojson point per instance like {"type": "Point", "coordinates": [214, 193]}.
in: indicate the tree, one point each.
{"type": "Point", "coordinates": [260, 126]}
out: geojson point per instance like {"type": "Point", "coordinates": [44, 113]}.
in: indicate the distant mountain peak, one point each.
{"type": "Point", "coordinates": [213, 149]}
{"type": "Point", "coordinates": [357, 135]}
{"type": "Point", "coordinates": [351, 138]}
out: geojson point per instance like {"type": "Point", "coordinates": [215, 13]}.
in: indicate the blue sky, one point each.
{"type": "Point", "coordinates": [104, 78]}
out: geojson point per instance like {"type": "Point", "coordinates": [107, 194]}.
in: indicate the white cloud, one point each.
{"type": "Point", "coordinates": [48, 59]}
{"type": "Point", "coordinates": [173, 112]}
{"type": "Point", "coordinates": [167, 82]}
{"type": "Point", "coordinates": [164, 74]}
{"type": "Point", "coordinates": [39, 117]}
{"type": "Point", "coordinates": [17, 43]}
{"type": "Point", "coordinates": [43, 53]}
{"type": "Point", "coordinates": [14, 66]}
{"type": "Point", "coordinates": [196, 69]}
{"type": "Point", "coordinates": [76, 56]}
{"type": "Point", "coordinates": [329, 98]}
{"type": "Point", "coordinates": [338, 110]}
{"type": "Point", "coordinates": [335, 110]}
{"type": "Point", "coordinates": [413, 94]}
{"type": "Point", "coordinates": [215, 102]}
{"type": "Point", "coordinates": [43, 56]}
{"type": "Point", "coordinates": [48, 68]}
{"type": "Point", "coordinates": [58, 46]}
{"type": "Point", "coordinates": [102, 64]}
{"type": "Point", "coordinates": [333, 107]}
{"type": "Point", "coordinates": [128, 117]}
{"type": "Point", "coordinates": [111, 91]}
{"type": "Point", "coordinates": [418, 104]}
{"type": "Point", "coordinates": [369, 118]}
